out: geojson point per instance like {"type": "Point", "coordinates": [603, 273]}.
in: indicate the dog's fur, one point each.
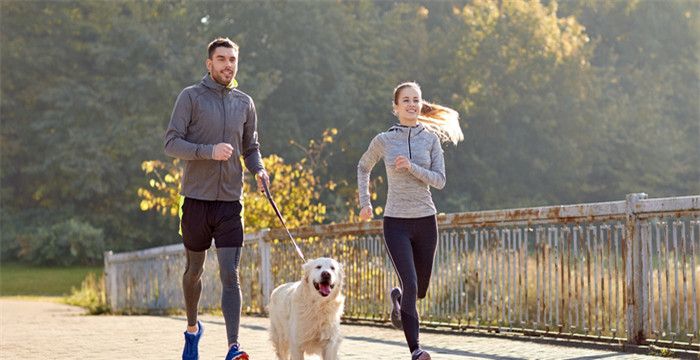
{"type": "Point", "coordinates": [302, 319]}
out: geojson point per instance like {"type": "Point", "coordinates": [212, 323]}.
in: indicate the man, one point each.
{"type": "Point", "coordinates": [212, 126]}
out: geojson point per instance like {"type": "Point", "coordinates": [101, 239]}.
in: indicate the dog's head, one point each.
{"type": "Point", "coordinates": [324, 276]}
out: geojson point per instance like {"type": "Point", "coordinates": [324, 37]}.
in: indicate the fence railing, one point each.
{"type": "Point", "coordinates": [625, 270]}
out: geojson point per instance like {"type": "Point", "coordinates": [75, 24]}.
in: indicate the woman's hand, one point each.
{"type": "Point", "coordinates": [366, 213]}
{"type": "Point", "coordinates": [402, 163]}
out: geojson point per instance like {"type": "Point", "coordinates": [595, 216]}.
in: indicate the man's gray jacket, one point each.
{"type": "Point", "coordinates": [204, 115]}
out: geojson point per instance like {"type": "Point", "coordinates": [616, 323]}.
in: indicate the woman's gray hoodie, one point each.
{"type": "Point", "coordinates": [409, 189]}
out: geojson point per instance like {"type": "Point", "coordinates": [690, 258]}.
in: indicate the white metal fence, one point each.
{"type": "Point", "coordinates": [616, 270]}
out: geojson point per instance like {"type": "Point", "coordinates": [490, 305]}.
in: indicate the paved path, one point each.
{"type": "Point", "coordinates": [45, 330]}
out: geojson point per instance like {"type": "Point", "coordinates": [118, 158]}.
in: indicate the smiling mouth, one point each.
{"type": "Point", "coordinates": [324, 287]}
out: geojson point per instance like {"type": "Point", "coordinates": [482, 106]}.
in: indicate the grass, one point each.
{"type": "Point", "coordinates": [91, 295]}
{"type": "Point", "coordinates": [31, 281]}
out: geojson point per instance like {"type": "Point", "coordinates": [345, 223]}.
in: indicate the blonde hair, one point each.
{"type": "Point", "coordinates": [440, 120]}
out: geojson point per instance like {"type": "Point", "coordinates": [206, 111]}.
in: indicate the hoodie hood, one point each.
{"type": "Point", "coordinates": [415, 130]}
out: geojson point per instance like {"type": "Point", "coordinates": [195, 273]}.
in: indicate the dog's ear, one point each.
{"type": "Point", "coordinates": [341, 271]}
{"type": "Point", "coordinates": [306, 269]}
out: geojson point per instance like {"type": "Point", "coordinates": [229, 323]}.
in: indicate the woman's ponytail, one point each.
{"type": "Point", "coordinates": [441, 120]}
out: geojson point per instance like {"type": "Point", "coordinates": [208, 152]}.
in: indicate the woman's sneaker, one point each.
{"type": "Point", "coordinates": [191, 351]}
{"type": "Point", "coordinates": [396, 308]}
{"type": "Point", "coordinates": [235, 353]}
{"type": "Point", "coordinates": [420, 354]}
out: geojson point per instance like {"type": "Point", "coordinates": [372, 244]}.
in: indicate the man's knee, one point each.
{"type": "Point", "coordinates": [192, 275]}
{"type": "Point", "coordinates": [229, 279]}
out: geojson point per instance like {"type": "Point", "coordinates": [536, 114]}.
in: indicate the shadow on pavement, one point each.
{"type": "Point", "coordinates": [432, 349]}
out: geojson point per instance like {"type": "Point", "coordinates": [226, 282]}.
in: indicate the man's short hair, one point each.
{"type": "Point", "coordinates": [221, 42]}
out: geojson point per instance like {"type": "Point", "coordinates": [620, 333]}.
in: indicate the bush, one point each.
{"type": "Point", "coordinates": [91, 295]}
{"type": "Point", "coordinates": [69, 242]}
{"type": "Point", "coordinates": [8, 236]}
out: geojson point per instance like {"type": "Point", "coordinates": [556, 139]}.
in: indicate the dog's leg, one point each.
{"type": "Point", "coordinates": [282, 352]}
{"type": "Point", "coordinates": [330, 351]}
{"type": "Point", "coordinates": [279, 340]}
{"type": "Point", "coordinates": [281, 348]}
{"type": "Point", "coordinates": [297, 353]}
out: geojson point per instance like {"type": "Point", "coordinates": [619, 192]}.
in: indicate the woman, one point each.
{"type": "Point", "coordinates": [414, 161]}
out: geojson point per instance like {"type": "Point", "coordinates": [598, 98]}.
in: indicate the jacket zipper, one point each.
{"type": "Point", "coordinates": [409, 144]}
{"type": "Point", "coordinates": [221, 164]}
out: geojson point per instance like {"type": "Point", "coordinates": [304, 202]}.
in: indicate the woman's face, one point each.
{"type": "Point", "coordinates": [409, 104]}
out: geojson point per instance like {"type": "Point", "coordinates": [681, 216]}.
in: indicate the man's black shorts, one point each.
{"type": "Point", "coordinates": [203, 220]}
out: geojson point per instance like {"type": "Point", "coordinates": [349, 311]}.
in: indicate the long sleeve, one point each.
{"type": "Point", "coordinates": [435, 176]}
{"type": "Point", "coordinates": [364, 168]}
{"type": "Point", "coordinates": [175, 143]}
{"type": "Point", "coordinates": [250, 144]}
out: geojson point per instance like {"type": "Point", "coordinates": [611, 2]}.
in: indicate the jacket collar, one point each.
{"type": "Point", "coordinates": [212, 84]}
{"type": "Point", "coordinates": [401, 128]}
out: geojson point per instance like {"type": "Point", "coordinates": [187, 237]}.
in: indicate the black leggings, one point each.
{"type": "Point", "coordinates": [411, 245]}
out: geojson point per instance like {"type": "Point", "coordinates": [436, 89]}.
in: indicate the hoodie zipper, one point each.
{"type": "Point", "coordinates": [409, 144]}
{"type": "Point", "coordinates": [221, 163]}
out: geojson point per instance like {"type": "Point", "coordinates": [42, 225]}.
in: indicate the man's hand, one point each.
{"type": "Point", "coordinates": [366, 213]}
{"type": "Point", "coordinates": [260, 177]}
{"type": "Point", "coordinates": [222, 151]}
{"type": "Point", "coordinates": [402, 163]}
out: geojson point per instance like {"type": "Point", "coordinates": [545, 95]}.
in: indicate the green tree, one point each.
{"type": "Point", "coordinates": [561, 101]}
{"type": "Point", "coordinates": [519, 76]}
{"type": "Point", "coordinates": [646, 58]}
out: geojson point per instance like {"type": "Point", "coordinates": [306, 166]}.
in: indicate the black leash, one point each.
{"type": "Point", "coordinates": [279, 215]}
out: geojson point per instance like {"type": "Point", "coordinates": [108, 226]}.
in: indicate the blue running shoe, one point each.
{"type": "Point", "coordinates": [396, 308]}
{"type": "Point", "coordinates": [191, 351]}
{"type": "Point", "coordinates": [235, 353]}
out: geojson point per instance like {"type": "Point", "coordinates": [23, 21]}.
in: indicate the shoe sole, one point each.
{"type": "Point", "coordinates": [395, 311]}
{"type": "Point", "coordinates": [424, 356]}
{"type": "Point", "coordinates": [241, 357]}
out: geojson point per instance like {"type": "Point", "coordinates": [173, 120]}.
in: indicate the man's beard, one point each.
{"type": "Point", "coordinates": [219, 79]}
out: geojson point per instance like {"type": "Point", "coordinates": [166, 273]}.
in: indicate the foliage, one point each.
{"type": "Point", "coordinates": [163, 193]}
{"type": "Point", "coordinates": [65, 243]}
{"type": "Point", "coordinates": [91, 295]}
{"type": "Point", "coordinates": [295, 188]}
{"type": "Point", "coordinates": [565, 102]}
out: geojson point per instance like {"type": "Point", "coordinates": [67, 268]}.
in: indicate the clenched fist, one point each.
{"type": "Point", "coordinates": [222, 151]}
{"type": "Point", "coordinates": [402, 162]}
{"type": "Point", "coordinates": [366, 213]}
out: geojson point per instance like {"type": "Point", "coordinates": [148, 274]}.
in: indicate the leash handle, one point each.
{"type": "Point", "coordinates": [279, 216]}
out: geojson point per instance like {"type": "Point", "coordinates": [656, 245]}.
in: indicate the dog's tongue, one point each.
{"type": "Point", "coordinates": [324, 289]}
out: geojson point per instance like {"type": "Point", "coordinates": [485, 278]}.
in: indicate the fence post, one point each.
{"type": "Point", "coordinates": [265, 275]}
{"type": "Point", "coordinates": [110, 276]}
{"type": "Point", "coordinates": [636, 313]}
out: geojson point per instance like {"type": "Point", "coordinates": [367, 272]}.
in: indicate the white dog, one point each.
{"type": "Point", "coordinates": [305, 315]}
